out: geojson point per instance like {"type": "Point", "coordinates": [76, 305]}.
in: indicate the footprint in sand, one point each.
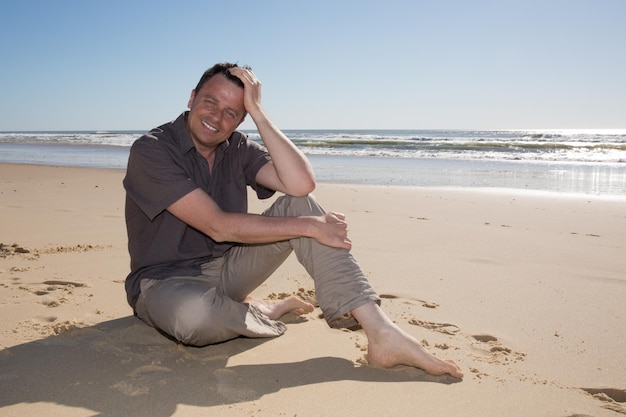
{"type": "Point", "coordinates": [64, 283]}
{"type": "Point", "coordinates": [614, 399]}
{"type": "Point", "coordinates": [485, 338]}
{"type": "Point", "coordinates": [53, 285]}
{"type": "Point", "coordinates": [426, 304]}
{"type": "Point", "coordinates": [496, 352]}
{"type": "Point", "coordinates": [48, 288]}
{"type": "Point", "coordinates": [445, 328]}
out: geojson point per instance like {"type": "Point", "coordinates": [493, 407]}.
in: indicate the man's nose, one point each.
{"type": "Point", "coordinates": [215, 115]}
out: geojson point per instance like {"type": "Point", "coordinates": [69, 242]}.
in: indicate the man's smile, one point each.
{"type": "Point", "coordinates": [208, 126]}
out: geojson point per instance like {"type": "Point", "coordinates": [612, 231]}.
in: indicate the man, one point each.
{"type": "Point", "coordinates": [197, 255]}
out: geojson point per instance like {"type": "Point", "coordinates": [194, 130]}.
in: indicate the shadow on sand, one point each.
{"type": "Point", "coordinates": [124, 368]}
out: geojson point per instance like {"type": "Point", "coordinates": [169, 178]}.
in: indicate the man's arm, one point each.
{"type": "Point", "coordinates": [290, 172]}
{"type": "Point", "coordinates": [198, 210]}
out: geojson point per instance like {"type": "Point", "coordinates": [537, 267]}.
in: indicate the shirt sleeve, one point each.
{"type": "Point", "coordinates": [154, 181]}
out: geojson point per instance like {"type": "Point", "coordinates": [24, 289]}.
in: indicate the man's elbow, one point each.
{"type": "Point", "coordinates": [219, 237]}
{"type": "Point", "coordinates": [222, 229]}
{"type": "Point", "coordinates": [304, 188]}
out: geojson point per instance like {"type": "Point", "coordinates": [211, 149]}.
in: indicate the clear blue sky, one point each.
{"type": "Point", "coordinates": [107, 65]}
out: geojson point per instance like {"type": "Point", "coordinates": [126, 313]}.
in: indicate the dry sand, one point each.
{"type": "Point", "coordinates": [526, 292]}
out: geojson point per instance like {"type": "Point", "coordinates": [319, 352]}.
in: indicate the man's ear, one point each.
{"type": "Point", "coordinates": [191, 97]}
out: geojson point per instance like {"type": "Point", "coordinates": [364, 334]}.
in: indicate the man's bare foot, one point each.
{"type": "Point", "coordinates": [388, 345]}
{"type": "Point", "coordinates": [276, 309]}
{"type": "Point", "coordinates": [393, 347]}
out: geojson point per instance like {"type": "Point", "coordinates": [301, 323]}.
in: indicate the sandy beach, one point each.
{"type": "Point", "coordinates": [524, 291]}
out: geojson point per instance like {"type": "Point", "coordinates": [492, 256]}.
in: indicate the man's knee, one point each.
{"type": "Point", "coordinates": [197, 320]}
{"type": "Point", "coordinates": [298, 206]}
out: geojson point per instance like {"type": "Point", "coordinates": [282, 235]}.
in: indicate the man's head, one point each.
{"type": "Point", "coordinates": [221, 68]}
{"type": "Point", "coordinates": [216, 107]}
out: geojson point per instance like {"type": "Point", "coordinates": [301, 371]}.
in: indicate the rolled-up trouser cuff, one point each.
{"type": "Point", "coordinates": [347, 320]}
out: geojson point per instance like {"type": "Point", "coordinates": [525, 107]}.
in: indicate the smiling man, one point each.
{"type": "Point", "coordinates": [197, 254]}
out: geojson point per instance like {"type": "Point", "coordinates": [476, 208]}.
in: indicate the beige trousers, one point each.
{"type": "Point", "coordinates": [208, 308]}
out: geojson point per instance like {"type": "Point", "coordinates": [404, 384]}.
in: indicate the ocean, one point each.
{"type": "Point", "coordinates": [589, 162]}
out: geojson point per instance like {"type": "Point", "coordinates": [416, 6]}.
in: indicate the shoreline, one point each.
{"type": "Point", "coordinates": [436, 188]}
{"type": "Point", "coordinates": [524, 292]}
{"type": "Point", "coordinates": [560, 178]}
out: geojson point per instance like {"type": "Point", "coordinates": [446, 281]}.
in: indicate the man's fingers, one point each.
{"type": "Point", "coordinates": [244, 75]}
{"type": "Point", "coordinates": [339, 216]}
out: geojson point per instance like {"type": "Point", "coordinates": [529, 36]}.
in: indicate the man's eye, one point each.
{"type": "Point", "coordinates": [231, 115]}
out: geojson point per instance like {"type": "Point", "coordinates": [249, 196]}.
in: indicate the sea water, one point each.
{"type": "Point", "coordinates": [564, 161]}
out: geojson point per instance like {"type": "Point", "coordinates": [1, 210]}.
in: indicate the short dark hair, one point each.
{"type": "Point", "coordinates": [220, 68]}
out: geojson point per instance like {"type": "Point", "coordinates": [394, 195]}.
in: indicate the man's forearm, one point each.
{"type": "Point", "coordinates": [329, 229]}
{"type": "Point", "coordinates": [254, 228]}
{"type": "Point", "coordinates": [291, 171]}
{"type": "Point", "coordinates": [292, 167]}
{"type": "Point", "coordinates": [199, 211]}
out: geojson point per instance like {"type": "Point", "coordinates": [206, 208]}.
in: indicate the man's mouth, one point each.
{"type": "Point", "coordinates": [208, 126]}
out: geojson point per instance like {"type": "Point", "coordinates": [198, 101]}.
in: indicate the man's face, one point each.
{"type": "Point", "coordinates": [216, 110]}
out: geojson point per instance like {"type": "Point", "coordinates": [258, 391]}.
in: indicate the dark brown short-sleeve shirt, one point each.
{"type": "Point", "coordinates": [163, 167]}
